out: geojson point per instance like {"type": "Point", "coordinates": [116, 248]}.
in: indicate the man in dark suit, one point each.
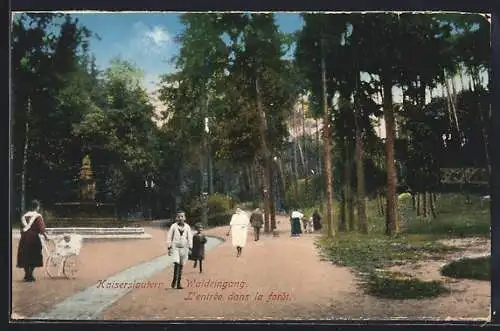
{"type": "Point", "coordinates": [257, 220]}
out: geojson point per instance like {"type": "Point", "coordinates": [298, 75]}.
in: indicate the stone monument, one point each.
{"type": "Point", "coordinates": [87, 182]}
{"type": "Point", "coordinates": [87, 209]}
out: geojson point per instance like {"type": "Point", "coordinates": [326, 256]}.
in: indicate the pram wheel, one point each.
{"type": "Point", "coordinates": [70, 266]}
{"type": "Point", "coordinates": [53, 266]}
{"type": "Point", "coordinates": [50, 245]}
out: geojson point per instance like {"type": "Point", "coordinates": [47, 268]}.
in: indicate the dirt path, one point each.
{"type": "Point", "coordinates": [287, 266]}
{"type": "Point", "coordinates": [287, 272]}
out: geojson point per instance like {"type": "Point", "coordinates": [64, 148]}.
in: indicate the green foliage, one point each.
{"type": "Point", "coordinates": [469, 268]}
{"type": "Point", "coordinates": [456, 218]}
{"type": "Point", "coordinates": [455, 224]}
{"type": "Point", "coordinates": [368, 254]}
{"type": "Point", "coordinates": [390, 287]}
{"type": "Point", "coordinates": [220, 209]}
{"type": "Point", "coordinates": [71, 108]}
{"type": "Point", "coordinates": [374, 251]}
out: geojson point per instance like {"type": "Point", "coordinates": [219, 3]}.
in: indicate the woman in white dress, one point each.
{"type": "Point", "coordinates": [179, 243]}
{"type": "Point", "coordinates": [238, 227]}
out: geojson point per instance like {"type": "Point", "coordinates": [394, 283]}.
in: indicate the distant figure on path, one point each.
{"type": "Point", "coordinates": [29, 253]}
{"type": "Point", "coordinates": [238, 227]}
{"type": "Point", "coordinates": [305, 221]}
{"type": "Point", "coordinates": [295, 221]}
{"type": "Point", "coordinates": [179, 243]}
{"type": "Point", "coordinates": [310, 225]}
{"type": "Point", "coordinates": [316, 221]}
{"type": "Point", "coordinates": [198, 252]}
{"type": "Point", "coordinates": [257, 220]}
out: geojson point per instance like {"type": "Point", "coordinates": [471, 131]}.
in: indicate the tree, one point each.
{"type": "Point", "coordinates": [318, 46]}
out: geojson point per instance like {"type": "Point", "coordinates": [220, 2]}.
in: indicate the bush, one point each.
{"type": "Point", "coordinates": [471, 268]}
{"type": "Point", "coordinates": [220, 209]}
{"type": "Point", "coordinates": [307, 193]}
{"type": "Point", "coordinates": [397, 288]}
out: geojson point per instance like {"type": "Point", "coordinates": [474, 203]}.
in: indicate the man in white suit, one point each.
{"type": "Point", "coordinates": [179, 243]}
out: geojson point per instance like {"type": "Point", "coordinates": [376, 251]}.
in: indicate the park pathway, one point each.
{"type": "Point", "coordinates": [275, 278]}
{"type": "Point", "coordinates": [89, 303]}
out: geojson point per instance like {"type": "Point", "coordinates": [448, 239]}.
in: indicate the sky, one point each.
{"type": "Point", "coordinates": [147, 39]}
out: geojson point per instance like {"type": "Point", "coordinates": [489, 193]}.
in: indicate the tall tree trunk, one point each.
{"type": "Point", "coordinates": [202, 168]}
{"type": "Point", "coordinates": [380, 197]}
{"type": "Point", "coordinates": [448, 106]}
{"type": "Point", "coordinates": [210, 171]}
{"type": "Point", "coordinates": [482, 122]}
{"type": "Point", "coordinates": [271, 197]}
{"type": "Point", "coordinates": [303, 148]}
{"type": "Point", "coordinates": [360, 169]}
{"type": "Point", "coordinates": [327, 142]}
{"type": "Point", "coordinates": [391, 221]}
{"type": "Point", "coordinates": [342, 223]}
{"type": "Point", "coordinates": [302, 160]}
{"type": "Point", "coordinates": [348, 186]}
{"type": "Point", "coordinates": [452, 102]}
{"type": "Point", "coordinates": [424, 196]}
{"type": "Point", "coordinates": [266, 156]}
{"type": "Point", "coordinates": [453, 90]}
{"type": "Point", "coordinates": [318, 146]}
{"type": "Point", "coordinates": [25, 156]}
{"type": "Point", "coordinates": [320, 172]}
{"type": "Point", "coordinates": [461, 75]}
{"type": "Point", "coordinates": [431, 206]}
{"type": "Point", "coordinates": [418, 203]}
{"type": "Point", "coordinates": [263, 189]}
{"type": "Point", "coordinates": [295, 160]}
{"type": "Point", "coordinates": [282, 177]}
{"type": "Point", "coordinates": [413, 201]}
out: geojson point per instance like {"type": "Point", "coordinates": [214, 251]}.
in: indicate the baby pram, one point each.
{"type": "Point", "coordinates": [62, 255]}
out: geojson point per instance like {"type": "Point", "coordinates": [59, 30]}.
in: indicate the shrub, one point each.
{"type": "Point", "coordinates": [471, 268]}
{"type": "Point", "coordinates": [220, 208]}
{"type": "Point", "coordinates": [385, 286]}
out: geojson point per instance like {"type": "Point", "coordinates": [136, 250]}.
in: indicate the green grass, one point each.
{"type": "Point", "coordinates": [394, 287]}
{"type": "Point", "coordinates": [370, 253]}
{"type": "Point", "coordinates": [375, 251]}
{"type": "Point", "coordinates": [454, 218]}
{"type": "Point", "coordinates": [469, 268]}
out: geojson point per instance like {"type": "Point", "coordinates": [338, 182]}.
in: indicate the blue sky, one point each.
{"type": "Point", "coordinates": [147, 39]}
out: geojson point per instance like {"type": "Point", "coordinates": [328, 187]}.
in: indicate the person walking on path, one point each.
{"type": "Point", "coordinates": [180, 244]}
{"type": "Point", "coordinates": [316, 221]}
{"type": "Point", "coordinates": [295, 219]}
{"type": "Point", "coordinates": [198, 252]}
{"type": "Point", "coordinates": [238, 227]}
{"type": "Point", "coordinates": [29, 253]}
{"type": "Point", "coordinates": [257, 220]}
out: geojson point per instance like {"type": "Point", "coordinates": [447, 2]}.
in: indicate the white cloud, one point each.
{"type": "Point", "coordinates": [150, 39]}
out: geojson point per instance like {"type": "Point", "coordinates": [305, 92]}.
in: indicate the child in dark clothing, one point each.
{"type": "Point", "coordinates": [198, 252]}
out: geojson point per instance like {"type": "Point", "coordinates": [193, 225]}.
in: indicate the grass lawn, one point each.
{"type": "Point", "coordinates": [390, 286]}
{"type": "Point", "coordinates": [369, 253]}
{"type": "Point", "coordinates": [476, 268]}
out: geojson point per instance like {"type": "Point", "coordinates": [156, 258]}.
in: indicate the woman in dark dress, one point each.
{"type": "Point", "coordinates": [295, 225]}
{"type": "Point", "coordinates": [198, 252]}
{"type": "Point", "coordinates": [316, 221]}
{"type": "Point", "coordinates": [29, 253]}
